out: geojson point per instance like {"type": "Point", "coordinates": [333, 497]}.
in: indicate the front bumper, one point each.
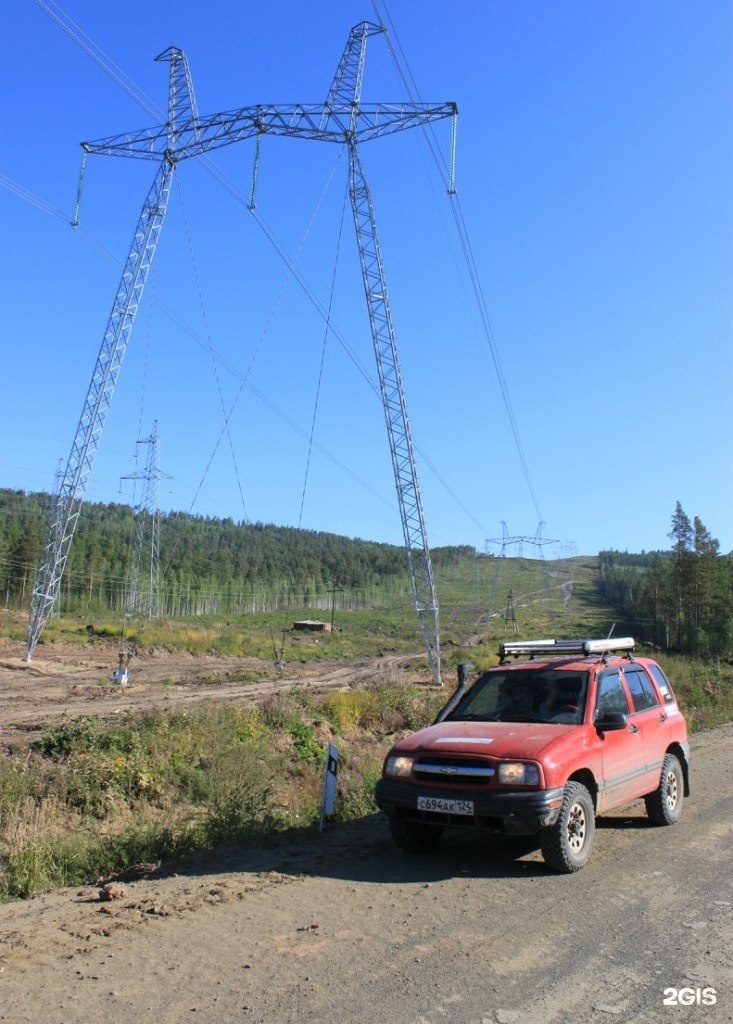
{"type": "Point", "coordinates": [513, 812]}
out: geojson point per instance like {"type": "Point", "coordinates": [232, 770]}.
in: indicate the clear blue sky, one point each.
{"type": "Point", "coordinates": [594, 173]}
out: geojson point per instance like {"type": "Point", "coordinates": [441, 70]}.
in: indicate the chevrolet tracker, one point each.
{"type": "Point", "coordinates": [541, 746]}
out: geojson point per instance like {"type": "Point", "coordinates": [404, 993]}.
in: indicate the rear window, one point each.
{"type": "Point", "coordinates": [662, 683]}
{"type": "Point", "coordinates": [640, 688]}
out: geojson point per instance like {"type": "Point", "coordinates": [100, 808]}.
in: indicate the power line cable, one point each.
{"type": "Point", "coordinates": [230, 367]}
{"type": "Point", "coordinates": [323, 359]}
{"type": "Point", "coordinates": [103, 61]}
{"type": "Point", "coordinates": [411, 90]}
{"type": "Point", "coordinates": [207, 328]}
{"type": "Point", "coordinates": [107, 65]}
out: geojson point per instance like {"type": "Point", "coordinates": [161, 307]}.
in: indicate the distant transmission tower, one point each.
{"type": "Point", "coordinates": [510, 615]}
{"type": "Point", "coordinates": [343, 120]}
{"type": "Point", "coordinates": [537, 541]}
{"type": "Point", "coordinates": [143, 589]}
{"type": "Point", "coordinates": [503, 541]}
{"type": "Point", "coordinates": [58, 477]}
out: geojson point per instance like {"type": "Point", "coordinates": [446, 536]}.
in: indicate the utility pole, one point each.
{"type": "Point", "coordinates": [343, 119]}
{"type": "Point", "coordinates": [336, 588]}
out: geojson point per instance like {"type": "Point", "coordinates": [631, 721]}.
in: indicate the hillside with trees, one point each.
{"type": "Point", "coordinates": [207, 565]}
{"type": "Point", "coordinates": [680, 599]}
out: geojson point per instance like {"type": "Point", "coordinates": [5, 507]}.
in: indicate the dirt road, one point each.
{"type": "Point", "coordinates": [66, 680]}
{"type": "Point", "coordinates": [343, 928]}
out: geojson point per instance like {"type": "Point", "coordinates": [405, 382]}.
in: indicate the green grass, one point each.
{"type": "Point", "coordinates": [552, 597]}
{"type": "Point", "coordinates": [357, 634]}
{"type": "Point", "coordinates": [704, 689]}
{"type": "Point", "coordinates": [92, 798]}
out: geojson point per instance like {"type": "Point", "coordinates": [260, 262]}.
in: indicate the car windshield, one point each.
{"type": "Point", "coordinates": [536, 695]}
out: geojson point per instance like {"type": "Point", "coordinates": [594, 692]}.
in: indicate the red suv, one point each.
{"type": "Point", "coordinates": [542, 745]}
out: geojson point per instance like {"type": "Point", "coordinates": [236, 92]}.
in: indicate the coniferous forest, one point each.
{"type": "Point", "coordinates": [206, 565]}
{"type": "Point", "coordinates": [678, 599]}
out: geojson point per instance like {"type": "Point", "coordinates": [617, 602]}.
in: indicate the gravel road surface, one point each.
{"type": "Point", "coordinates": [344, 928]}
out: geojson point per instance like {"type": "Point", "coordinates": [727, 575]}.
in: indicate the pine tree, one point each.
{"type": "Point", "coordinates": [681, 536]}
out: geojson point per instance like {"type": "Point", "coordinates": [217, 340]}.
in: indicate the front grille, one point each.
{"type": "Point", "coordinates": [460, 773]}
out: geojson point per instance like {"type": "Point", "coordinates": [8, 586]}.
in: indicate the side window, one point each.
{"type": "Point", "coordinates": [662, 684]}
{"type": "Point", "coordinates": [611, 695]}
{"type": "Point", "coordinates": [642, 693]}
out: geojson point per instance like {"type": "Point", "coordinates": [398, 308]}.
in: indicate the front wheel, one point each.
{"type": "Point", "coordinates": [567, 845]}
{"type": "Point", "coordinates": [664, 805]}
{"type": "Point", "coordinates": [413, 836]}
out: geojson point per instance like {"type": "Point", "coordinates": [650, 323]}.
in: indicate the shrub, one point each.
{"type": "Point", "coordinates": [18, 780]}
{"type": "Point", "coordinates": [250, 724]}
{"type": "Point", "coordinates": [162, 783]}
{"type": "Point", "coordinates": [703, 688]}
{"type": "Point", "coordinates": [401, 707]}
{"type": "Point", "coordinates": [59, 741]}
{"type": "Point", "coordinates": [347, 710]}
{"type": "Point", "coordinates": [239, 805]}
{"type": "Point", "coordinates": [279, 713]}
{"type": "Point", "coordinates": [305, 744]}
{"type": "Point", "coordinates": [357, 777]}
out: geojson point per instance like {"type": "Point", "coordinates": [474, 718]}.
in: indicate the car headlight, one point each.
{"type": "Point", "coordinates": [399, 766]}
{"type": "Point", "coordinates": [517, 773]}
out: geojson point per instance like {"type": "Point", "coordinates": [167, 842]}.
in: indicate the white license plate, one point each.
{"type": "Point", "coordinates": [436, 803]}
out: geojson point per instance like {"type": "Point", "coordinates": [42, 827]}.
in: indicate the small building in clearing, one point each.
{"type": "Point", "coordinates": [312, 626]}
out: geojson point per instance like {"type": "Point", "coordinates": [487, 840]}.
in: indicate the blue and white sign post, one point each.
{"type": "Point", "coordinates": [329, 783]}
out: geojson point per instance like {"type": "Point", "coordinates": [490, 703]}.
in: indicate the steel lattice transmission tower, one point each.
{"type": "Point", "coordinates": [70, 496]}
{"type": "Point", "coordinates": [143, 591]}
{"type": "Point", "coordinates": [342, 119]}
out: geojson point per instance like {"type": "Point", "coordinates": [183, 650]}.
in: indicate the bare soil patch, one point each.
{"type": "Point", "coordinates": [341, 926]}
{"type": "Point", "coordinates": [65, 680]}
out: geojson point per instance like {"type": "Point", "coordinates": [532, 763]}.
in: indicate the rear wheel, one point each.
{"type": "Point", "coordinates": [567, 845]}
{"type": "Point", "coordinates": [664, 805]}
{"type": "Point", "coordinates": [414, 836]}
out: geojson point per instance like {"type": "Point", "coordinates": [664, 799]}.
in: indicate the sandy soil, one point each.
{"type": "Point", "coordinates": [66, 680]}
{"type": "Point", "coordinates": [342, 927]}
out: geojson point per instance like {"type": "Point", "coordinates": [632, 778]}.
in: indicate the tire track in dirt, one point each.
{"type": "Point", "coordinates": [343, 927]}
{"type": "Point", "coordinates": [67, 683]}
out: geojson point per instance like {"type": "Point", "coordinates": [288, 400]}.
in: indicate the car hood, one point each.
{"type": "Point", "coordinates": [485, 739]}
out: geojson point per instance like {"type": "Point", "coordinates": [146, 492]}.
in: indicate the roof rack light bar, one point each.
{"type": "Point", "coordinates": [532, 644]}
{"type": "Point", "coordinates": [516, 648]}
{"type": "Point", "coordinates": [621, 643]}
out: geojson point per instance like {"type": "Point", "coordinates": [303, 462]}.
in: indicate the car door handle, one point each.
{"type": "Point", "coordinates": [633, 728]}
{"type": "Point", "coordinates": [662, 717]}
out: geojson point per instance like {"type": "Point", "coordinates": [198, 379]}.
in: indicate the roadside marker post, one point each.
{"type": "Point", "coordinates": [329, 783]}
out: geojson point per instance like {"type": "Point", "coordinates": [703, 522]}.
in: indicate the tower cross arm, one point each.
{"type": "Point", "coordinates": [322, 122]}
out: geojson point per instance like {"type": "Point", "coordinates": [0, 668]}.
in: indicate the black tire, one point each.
{"type": "Point", "coordinates": [567, 845]}
{"type": "Point", "coordinates": [664, 805]}
{"type": "Point", "coordinates": [413, 836]}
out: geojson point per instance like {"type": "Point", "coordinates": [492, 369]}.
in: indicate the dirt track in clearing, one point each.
{"type": "Point", "coordinates": [66, 680]}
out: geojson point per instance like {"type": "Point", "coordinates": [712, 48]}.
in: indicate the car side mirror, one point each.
{"type": "Point", "coordinates": [611, 721]}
